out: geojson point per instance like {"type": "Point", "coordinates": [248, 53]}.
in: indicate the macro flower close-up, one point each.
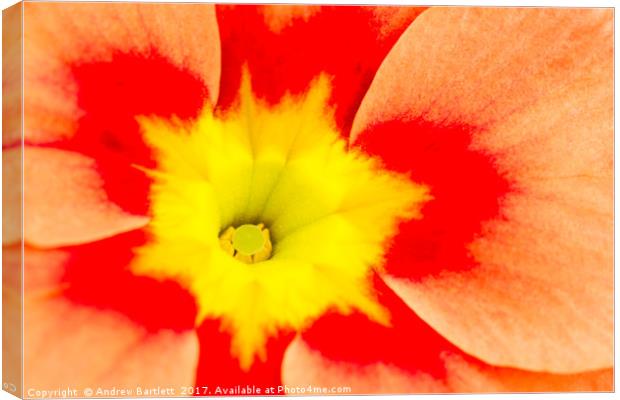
{"type": "Point", "coordinates": [316, 199]}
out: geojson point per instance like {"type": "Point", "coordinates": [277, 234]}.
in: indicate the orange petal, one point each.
{"type": "Point", "coordinates": [64, 202]}
{"type": "Point", "coordinates": [67, 345]}
{"type": "Point", "coordinates": [525, 319]}
{"type": "Point", "coordinates": [12, 316]}
{"type": "Point", "coordinates": [58, 35]}
{"type": "Point", "coordinates": [11, 75]}
{"type": "Point", "coordinates": [536, 86]}
{"type": "Point", "coordinates": [304, 367]}
{"type": "Point", "coordinates": [479, 66]}
{"type": "Point", "coordinates": [12, 196]}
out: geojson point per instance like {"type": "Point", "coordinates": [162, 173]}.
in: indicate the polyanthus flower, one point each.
{"type": "Point", "coordinates": [391, 199]}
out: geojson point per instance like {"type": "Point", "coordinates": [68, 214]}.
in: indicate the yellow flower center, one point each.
{"type": "Point", "coordinates": [268, 218]}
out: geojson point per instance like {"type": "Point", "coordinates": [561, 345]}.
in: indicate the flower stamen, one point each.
{"type": "Point", "coordinates": [248, 243]}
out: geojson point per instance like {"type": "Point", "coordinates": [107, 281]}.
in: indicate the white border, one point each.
{"type": "Point", "coordinates": [527, 3]}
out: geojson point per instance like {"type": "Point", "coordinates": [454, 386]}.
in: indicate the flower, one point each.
{"type": "Point", "coordinates": [252, 195]}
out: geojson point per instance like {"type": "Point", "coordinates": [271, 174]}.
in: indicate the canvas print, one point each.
{"type": "Point", "coordinates": [226, 199]}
